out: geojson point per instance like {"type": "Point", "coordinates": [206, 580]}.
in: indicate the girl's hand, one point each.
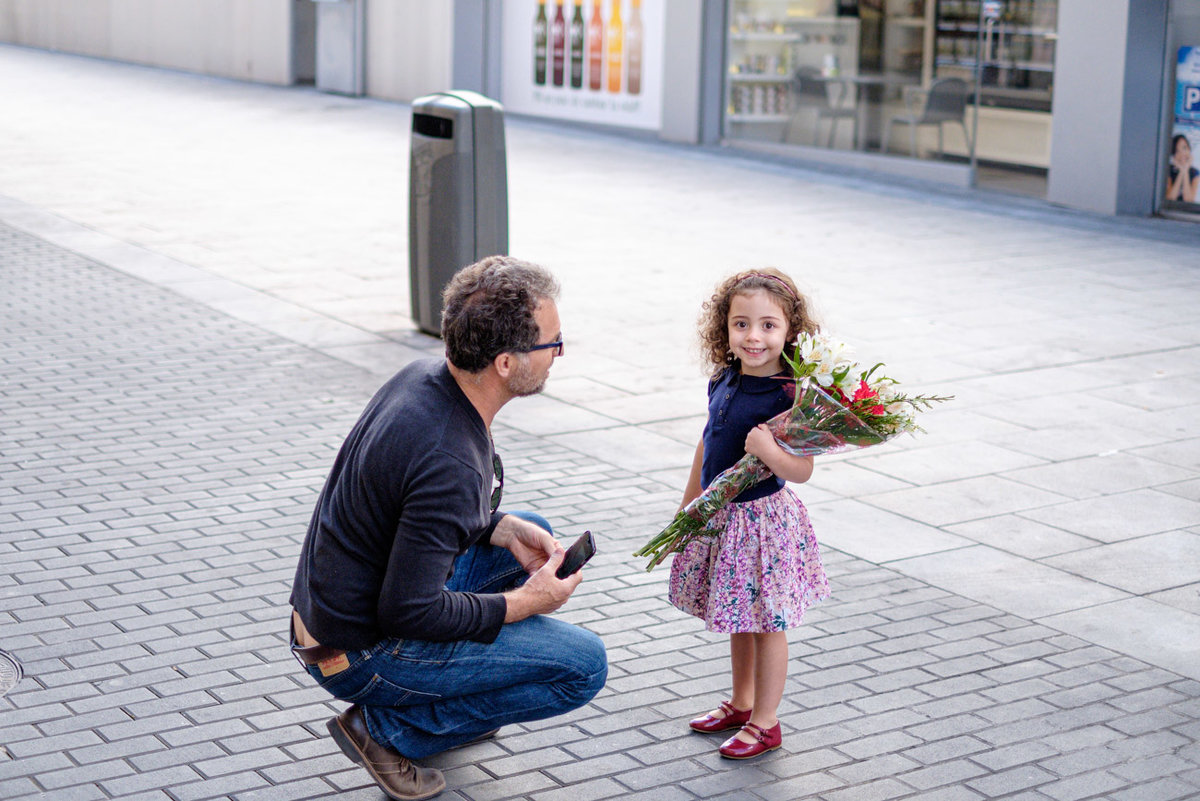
{"type": "Point", "coordinates": [760, 442]}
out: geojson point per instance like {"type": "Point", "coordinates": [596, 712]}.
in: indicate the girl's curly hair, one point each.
{"type": "Point", "coordinates": [714, 314]}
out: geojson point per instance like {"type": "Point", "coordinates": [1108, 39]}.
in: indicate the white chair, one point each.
{"type": "Point", "coordinates": [945, 101]}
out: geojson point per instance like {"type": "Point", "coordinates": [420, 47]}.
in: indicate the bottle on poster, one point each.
{"type": "Point", "coordinates": [595, 48]}
{"type": "Point", "coordinates": [633, 49]}
{"type": "Point", "coordinates": [576, 38]}
{"type": "Point", "coordinates": [539, 44]}
{"type": "Point", "coordinates": [615, 34]}
{"type": "Point", "coordinates": [558, 47]}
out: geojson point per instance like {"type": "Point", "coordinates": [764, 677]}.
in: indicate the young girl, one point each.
{"type": "Point", "coordinates": [757, 577]}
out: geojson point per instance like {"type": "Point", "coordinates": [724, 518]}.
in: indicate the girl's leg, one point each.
{"type": "Point", "coordinates": [743, 659]}
{"type": "Point", "coordinates": [769, 677]}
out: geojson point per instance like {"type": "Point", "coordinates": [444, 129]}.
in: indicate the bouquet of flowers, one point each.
{"type": "Point", "coordinates": [838, 406]}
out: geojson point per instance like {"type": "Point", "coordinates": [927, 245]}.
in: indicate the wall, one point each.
{"type": "Point", "coordinates": [1145, 62]}
{"type": "Point", "coordinates": [681, 112]}
{"type": "Point", "coordinates": [243, 39]}
{"type": "Point", "coordinates": [409, 47]}
{"type": "Point", "coordinates": [1107, 73]}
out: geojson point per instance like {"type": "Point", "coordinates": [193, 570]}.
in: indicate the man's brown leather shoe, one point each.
{"type": "Point", "coordinates": [400, 777]}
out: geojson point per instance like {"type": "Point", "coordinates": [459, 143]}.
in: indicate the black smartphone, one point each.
{"type": "Point", "coordinates": [580, 551]}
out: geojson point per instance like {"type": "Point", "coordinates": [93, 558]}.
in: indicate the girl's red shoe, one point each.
{"type": "Point", "coordinates": [730, 718]}
{"type": "Point", "coordinates": [764, 740]}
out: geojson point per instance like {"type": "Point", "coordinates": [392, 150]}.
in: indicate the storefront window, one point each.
{"type": "Point", "coordinates": [1181, 174]}
{"type": "Point", "coordinates": [1017, 45]}
{"type": "Point", "coordinates": [894, 76]}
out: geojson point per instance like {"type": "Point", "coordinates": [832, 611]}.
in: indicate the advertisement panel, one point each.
{"type": "Point", "coordinates": [597, 61]}
{"type": "Point", "coordinates": [1183, 177]}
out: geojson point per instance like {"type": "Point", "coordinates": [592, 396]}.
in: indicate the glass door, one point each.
{"type": "Point", "coordinates": [1009, 45]}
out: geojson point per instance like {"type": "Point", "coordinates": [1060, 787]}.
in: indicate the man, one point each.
{"type": "Point", "coordinates": [416, 599]}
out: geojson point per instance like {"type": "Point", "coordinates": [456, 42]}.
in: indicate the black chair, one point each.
{"type": "Point", "coordinates": [945, 101]}
{"type": "Point", "coordinates": [811, 91]}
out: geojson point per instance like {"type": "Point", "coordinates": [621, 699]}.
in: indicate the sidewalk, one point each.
{"type": "Point", "coordinates": [203, 281]}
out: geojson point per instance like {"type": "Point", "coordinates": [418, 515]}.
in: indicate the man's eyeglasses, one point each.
{"type": "Point", "coordinates": [498, 480]}
{"type": "Point", "coordinates": [556, 344]}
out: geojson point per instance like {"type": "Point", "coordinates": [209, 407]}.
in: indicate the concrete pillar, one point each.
{"type": "Point", "coordinates": [681, 72]}
{"type": "Point", "coordinates": [1108, 78]}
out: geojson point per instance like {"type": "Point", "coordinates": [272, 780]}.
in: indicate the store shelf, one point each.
{"type": "Point", "coordinates": [758, 117]}
{"type": "Point", "coordinates": [1014, 56]}
{"type": "Point", "coordinates": [767, 45]}
{"type": "Point", "coordinates": [750, 77]}
{"type": "Point", "coordinates": [999, 27]}
{"type": "Point", "coordinates": [969, 63]}
{"type": "Point", "coordinates": [781, 38]}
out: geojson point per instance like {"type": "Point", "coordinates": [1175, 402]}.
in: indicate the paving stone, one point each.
{"type": "Point", "coordinates": [865, 770]}
{"type": "Point", "coordinates": [1147, 722]}
{"type": "Point", "coordinates": [1011, 781]}
{"type": "Point", "coordinates": [661, 776]}
{"type": "Point", "coordinates": [736, 781]}
{"type": "Point", "coordinates": [145, 780]}
{"type": "Point", "coordinates": [1089, 785]}
{"type": "Point", "coordinates": [1166, 789]}
{"type": "Point", "coordinates": [215, 788]}
{"type": "Point", "coordinates": [863, 747]}
{"type": "Point", "coordinates": [878, 790]}
{"type": "Point", "coordinates": [1019, 754]}
{"type": "Point", "coordinates": [960, 793]}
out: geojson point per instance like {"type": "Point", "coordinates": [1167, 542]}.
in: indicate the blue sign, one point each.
{"type": "Point", "coordinates": [1183, 177]}
{"type": "Point", "coordinates": [1190, 99]}
{"type": "Point", "coordinates": [1187, 85]}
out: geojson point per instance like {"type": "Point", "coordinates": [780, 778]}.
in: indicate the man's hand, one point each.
{"type": "Point", "coordinates": [543, 592]}
{"type": "Point", "coordinates": [530, 544]}
{"type": "Point", "coordinates": [540, 554]}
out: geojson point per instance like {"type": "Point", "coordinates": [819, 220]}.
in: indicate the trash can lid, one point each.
{"type": "Point", "coordinates": [10, 672]}
{"type": "Point", "coordinates": [457, 98]}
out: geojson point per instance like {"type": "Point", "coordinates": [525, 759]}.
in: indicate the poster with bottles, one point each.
{"type": "Point", "coordinates": [594, 61]}
{"type": "Point", "coordinates": [1183, 174]}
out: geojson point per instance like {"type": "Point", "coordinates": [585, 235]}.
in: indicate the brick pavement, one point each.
{"type": "Point", "coordinates": [993, 579]}
{"type": "Point", "coordinates": [160, 460]}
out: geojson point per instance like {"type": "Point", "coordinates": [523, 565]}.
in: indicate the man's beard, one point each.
{"type": "Point", "coordinates": [523, 382]}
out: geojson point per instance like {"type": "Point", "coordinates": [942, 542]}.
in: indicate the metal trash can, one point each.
{"type": "Point", "coordinates": [457, 196]}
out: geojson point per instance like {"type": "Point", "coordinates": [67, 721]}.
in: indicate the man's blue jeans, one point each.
{"type": "Point", "coordinates": [420, 697]}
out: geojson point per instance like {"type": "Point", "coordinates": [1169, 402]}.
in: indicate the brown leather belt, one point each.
{"type": "Point", "coordinates": [316, 654]}
{"type": "Point", "coordinates": [329, 660]}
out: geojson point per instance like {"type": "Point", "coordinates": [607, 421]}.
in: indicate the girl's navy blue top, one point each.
{"type": "Point", "coordinates": [736, 404]}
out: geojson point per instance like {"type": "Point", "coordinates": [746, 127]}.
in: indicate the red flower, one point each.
{"type": "Point", "coordinates": [864, 391]}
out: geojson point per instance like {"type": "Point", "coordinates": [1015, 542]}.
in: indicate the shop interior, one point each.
{"type": "Point", "coordinates": [899, 77]}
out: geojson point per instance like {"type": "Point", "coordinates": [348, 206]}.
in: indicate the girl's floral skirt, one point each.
{"type": "Point", "coordinates": [758, 574]}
